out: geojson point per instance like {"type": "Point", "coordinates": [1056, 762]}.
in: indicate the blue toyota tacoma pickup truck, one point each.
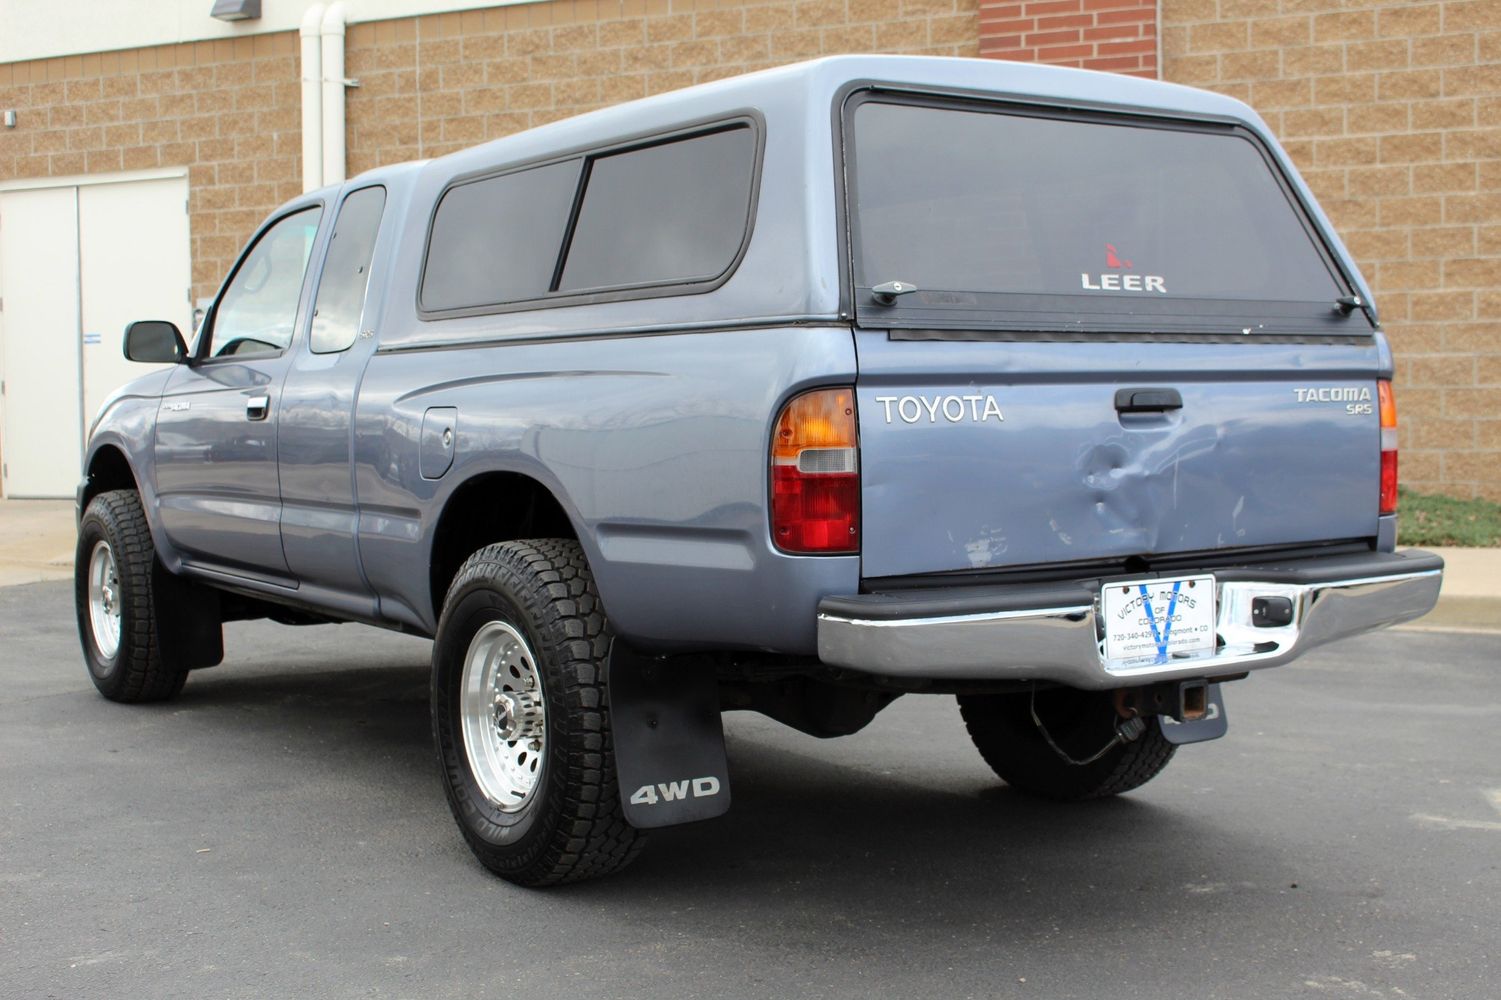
{"type": "Point", "coordinates": [1051, 390]}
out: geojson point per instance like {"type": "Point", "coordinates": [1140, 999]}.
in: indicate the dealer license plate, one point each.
{"type": "Point", "coordinates": [1158, 619]}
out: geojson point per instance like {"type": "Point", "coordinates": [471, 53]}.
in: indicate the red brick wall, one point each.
{"type": "Point", "coordinates": [1115, 35]}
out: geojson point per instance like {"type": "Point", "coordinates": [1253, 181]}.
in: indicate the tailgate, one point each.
{"type": "Point", "coordinates": [982, 455]}
{"type": "Point", "coordinates": [1086, 335]}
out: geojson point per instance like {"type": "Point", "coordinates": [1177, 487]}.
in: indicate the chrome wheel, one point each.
{"type": "Point", "coordinates": [503, 714]}
{"type": "Point", "coordinates": [104, 601]}
{"type": "Point", "coordinates": [520, 710]}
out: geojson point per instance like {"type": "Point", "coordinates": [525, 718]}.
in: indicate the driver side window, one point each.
{"type": "Point", "coordinates": [258, 311]}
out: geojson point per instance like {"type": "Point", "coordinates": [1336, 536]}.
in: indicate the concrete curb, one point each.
{"type": "Point", "coordinates": [1471, 598]}
{"type": "Point", "coordinates": [36, 545]}
{"type": "Point", "coordinates": [1463, 613]}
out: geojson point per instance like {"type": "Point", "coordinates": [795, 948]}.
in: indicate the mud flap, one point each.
{"type": "Point", "coordinates": [194, 636]}
{"type": "Point", "coordinates": [1211, 727]}
{"type": "Point", "coordinates": [669, 739]}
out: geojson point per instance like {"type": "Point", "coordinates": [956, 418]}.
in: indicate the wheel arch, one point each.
{"type": "Point", "coordinates": [489, 507]}
{"type": "Point", "coordinates": [108, 469]}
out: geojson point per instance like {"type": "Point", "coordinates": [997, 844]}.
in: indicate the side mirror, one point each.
{"type": "Point", "coordinates": [155, 341]}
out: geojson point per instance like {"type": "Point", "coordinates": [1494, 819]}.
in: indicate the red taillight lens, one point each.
{"type": "Point", "coordinates": [1388, 482]}
{"type": "Point", "coordinates": [1388, 405]}
{"type": "Point", "coordinates": [815, 513]}
{"type": "Point", "coordinates": [815, 474]}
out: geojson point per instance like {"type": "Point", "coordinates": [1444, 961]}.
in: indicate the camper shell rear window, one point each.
{"type": "Point", "coordinates": [1022, 218]}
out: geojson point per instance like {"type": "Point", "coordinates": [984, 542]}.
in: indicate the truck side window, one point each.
{"type": "Point", "coordinates": [497, 239]}
{"type": "Point", "coordinates": [258, 310]}
{"type": "Point", "coordinates": [671, 212]}
{"type": "Point", "coordinates": [346, 272]}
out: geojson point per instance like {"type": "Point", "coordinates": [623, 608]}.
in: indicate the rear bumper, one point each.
{"type": "Point", "coordinates": [1051, 632]}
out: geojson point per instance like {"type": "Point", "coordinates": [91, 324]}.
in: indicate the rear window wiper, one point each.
{"type": "Point", "coordinates": [1346, 304]}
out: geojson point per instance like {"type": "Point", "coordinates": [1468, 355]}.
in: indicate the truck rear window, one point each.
{"type": "Point", "coordinates": [995, 215]}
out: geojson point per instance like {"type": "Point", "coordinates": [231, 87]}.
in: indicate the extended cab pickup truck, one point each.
{"type": "Point", "coordinates": [1051, 390]}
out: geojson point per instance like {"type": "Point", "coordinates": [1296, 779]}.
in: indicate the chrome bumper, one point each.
{"type": "Point", "coordinates": [1061, 640]}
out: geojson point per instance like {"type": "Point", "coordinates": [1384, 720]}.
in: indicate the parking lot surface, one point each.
{"type": "Point", "coordinates": [279, 831]}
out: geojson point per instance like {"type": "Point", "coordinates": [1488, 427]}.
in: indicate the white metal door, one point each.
{"type": "Point", "coordinates": [79, 259]}
{"type": "Point", "coordinates": [43, 423]}
{"type": "Point", "coordinates": [133, 262]}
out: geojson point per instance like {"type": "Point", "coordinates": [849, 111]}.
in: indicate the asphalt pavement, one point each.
{"type": "Point", "coordinates": [279, 831]}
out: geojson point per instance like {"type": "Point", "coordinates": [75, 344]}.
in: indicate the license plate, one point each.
{"type": "Point", "coordinates": [1158, 619]}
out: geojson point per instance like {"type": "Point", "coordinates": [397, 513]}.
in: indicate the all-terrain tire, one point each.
{"type": "Point", "coordinates": [1080, 723]}
{"type": "Point", "coordinates": [115, 542]}
{"type": "Point", "coordinates": [569, 825]}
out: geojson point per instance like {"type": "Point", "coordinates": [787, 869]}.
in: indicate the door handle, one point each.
{"type": "Point", "coordinates": [1147, 400]}
{"type": "Point", "coordinates": [256, 407]}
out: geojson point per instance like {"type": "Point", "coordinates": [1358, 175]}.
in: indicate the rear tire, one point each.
{"type": "Point", "coordinates": [1081, 723]}
{"type": "Point", "coordinates": [521, 716]}
{"type": "Point", "coordinates": [115, 599]}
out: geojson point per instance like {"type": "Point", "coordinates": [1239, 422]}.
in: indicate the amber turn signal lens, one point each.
{"type": "Point", "coordinates": [1388, 402]}
{"type": "Point", "coordinates": [821, 419]}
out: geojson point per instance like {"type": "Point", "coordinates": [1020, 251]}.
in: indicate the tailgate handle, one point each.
{"type": "Point", "coordinates": [1147, 400]}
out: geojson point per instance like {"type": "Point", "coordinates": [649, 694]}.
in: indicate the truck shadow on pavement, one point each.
{"type": "Point", "coordinates": [813, 829]}
{"type": "Point", "coordinates": [893, 847]}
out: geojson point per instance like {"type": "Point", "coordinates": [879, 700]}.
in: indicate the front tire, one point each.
{"type": "Point", "coordinates": [521, 717]}
{"type": "Point", "coordinates": [1080, 723]}
{"type": "Point", "coordinates": [115, 599]}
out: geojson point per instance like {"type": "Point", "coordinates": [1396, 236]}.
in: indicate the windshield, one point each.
{"type": "Point", "coordinates": [1133, 222]}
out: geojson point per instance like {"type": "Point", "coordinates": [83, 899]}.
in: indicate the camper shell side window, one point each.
{"type": "Point", "coordinates": [666, 215]}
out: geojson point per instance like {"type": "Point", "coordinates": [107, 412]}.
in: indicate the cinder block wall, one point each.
{"type": "Point", "coordinates": [431, 85]}
{"type": "Point", "coordinates": [230, 111]}
{"type": "Point", "coordinates": [1392, 111]}
{"type": "Point", "coordinates": [1391, 107]}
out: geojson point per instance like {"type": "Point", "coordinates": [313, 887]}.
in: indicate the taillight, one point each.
{"type": "Point", "coordinates": [1388, 404]}
{"type": "Point", "coordinates": [815, 474]}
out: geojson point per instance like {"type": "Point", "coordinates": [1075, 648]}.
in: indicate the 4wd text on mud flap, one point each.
{"type": "Point", "coordinates": [671, 791]}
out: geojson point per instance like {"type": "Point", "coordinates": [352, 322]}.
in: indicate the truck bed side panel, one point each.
{"type": "Point", "coordinates": [655, 446]}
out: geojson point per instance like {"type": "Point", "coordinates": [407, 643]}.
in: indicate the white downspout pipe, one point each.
{"type": "Point", "coordinates": [333, 94]}
{"type": "Point", "coordinates": [312, 98]}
